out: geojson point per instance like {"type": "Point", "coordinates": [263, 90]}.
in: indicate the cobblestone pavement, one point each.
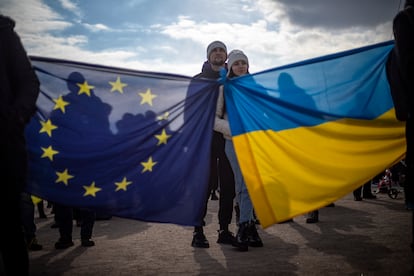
{"type": "Point", "coordinates": [369, 237]}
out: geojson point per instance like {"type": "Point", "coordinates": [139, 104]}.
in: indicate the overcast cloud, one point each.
{"type": "Point", "coordinates": [337, 14]}
{"type": "Point", "coordinates": [172, 35]}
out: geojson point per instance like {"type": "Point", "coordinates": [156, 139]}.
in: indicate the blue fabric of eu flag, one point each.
{"type": "Point", "coordinates": [116, 140]}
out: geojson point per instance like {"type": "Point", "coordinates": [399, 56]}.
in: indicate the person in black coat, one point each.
{"type": "Point", "coordinates": [403, 27]}
{"type": "Point", "coordinates": [400, 72]}
{"type": "Point", "coordinates": [19, 90]}
{"type": "Point", "coordinates": [220, 169]}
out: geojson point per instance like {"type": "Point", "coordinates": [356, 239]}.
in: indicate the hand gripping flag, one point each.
{"type": "Point", "coordinates": [309, 133]}
{"type": "Point", "coordinates": [133, 144]}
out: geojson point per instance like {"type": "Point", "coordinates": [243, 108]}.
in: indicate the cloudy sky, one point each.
{"type": "Point", "coordinates": [172, 35]}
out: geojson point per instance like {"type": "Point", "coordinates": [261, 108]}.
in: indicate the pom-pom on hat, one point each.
{"type": "Point", "coordinates": [213, 45]}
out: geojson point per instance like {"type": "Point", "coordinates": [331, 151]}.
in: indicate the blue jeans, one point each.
{"type": "Point", "coordinates": [242, 194]}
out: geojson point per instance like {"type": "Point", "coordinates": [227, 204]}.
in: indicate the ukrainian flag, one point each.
{"type": "Point", "coordinates": [308, 133]}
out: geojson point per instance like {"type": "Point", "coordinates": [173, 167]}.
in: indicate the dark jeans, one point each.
{"type": "Point", "coordinates": [409, 160]}
{"type": "Point", "coordinates": [365, 189]}
{"type": "Point", "coordinates": [220, 170]}
{"type": "Point", "coordinates": [28, 211]}
{"type": "Point", "coordinates": [13, 249]}
{"type": "Point", "coordinates": [64, 219]}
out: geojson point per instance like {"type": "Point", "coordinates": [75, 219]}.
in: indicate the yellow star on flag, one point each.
{"type": "Point", "coordinates": [162, 138]}
{"type": "Point", "coordinates": [36, 200]}
{"type": "Point", "coordinates": [49, 152]}
{"type": "Point", "coordinates": [91, 190]}
{"type": "Point", "coordinates": [85, 88]}
{"type": "Point", "coordinates": [122, 185]}
{"type": "Point", "coordinates": [63, 177]}
{"type": "Point", "coordinates": [47, 127]}
{"type": "Point", "coordinates": [117, 85]}
{"type": "Point", "coordinates": [60, 104]}
{"type": "Point", "coordinates": [163, 116]}
{"type": "Point", "coordinates": [147, 97]}
{"type": "Point", "coordinates": [148, 165]}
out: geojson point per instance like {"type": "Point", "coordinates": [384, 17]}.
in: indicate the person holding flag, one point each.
{"type": "Point", "coordinates": [247, 234]}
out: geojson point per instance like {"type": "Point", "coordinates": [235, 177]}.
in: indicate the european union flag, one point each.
{"type": "Point", "coordinates": [117, 140]}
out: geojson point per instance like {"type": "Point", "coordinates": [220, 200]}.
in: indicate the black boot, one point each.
{"type": "Point", "coordinates": [254, 238]}
{"type": "Point", "coordinates": [313, 217]}
{"type": "Point", "coordinates": [242, 237]}
{"type": "Point", "coordinates": [199, 239]}
{"type": "Point", "coordinates": [357, 194]}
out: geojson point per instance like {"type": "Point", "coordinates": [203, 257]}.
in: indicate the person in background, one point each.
{"type": "Point", "coordinates": [219, 164]}
{"type": "Point", "coordinates": [364, 191]}
{"type": "Point", "coordinates": [29, 226]}
{"type": "Point", "coordinates": [313, 216]}
{"type": "Point", "coordinates": [41, 209]}
{"type": "Point", "coordinates": [64, 219]}
{"type": "Point", "coordinates": [19, 90]}
{"type": "Point", "coordinates": [402, 83]}
{"type": "Point", "coordinates": [247, 234]}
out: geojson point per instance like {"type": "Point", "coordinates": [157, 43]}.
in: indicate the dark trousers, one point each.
{"type": "Point", "coordinates": [28, 211]}
{"type": "Point", "coordinates": [357, 192]}
{"type": "Point", "coordinates": [220, 170]}
{"type": "Point", "coordinates": [41, 209]}
{"type": "Point", "coordinates": [13, 249]}
{"type": "Point", "coordinates": [364, 189]}
{"type": "Point", "coordinates": [64, 219]}
{"type": "Point", "coordinates": [409, 161]}
{"type": "Point", "coordinates": [409, 176]}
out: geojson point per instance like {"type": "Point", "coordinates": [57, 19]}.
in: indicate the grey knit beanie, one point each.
{"type": "Point", "coordinates": [213, 45]}
{"type": "Point", "coordinates": [234, 56]}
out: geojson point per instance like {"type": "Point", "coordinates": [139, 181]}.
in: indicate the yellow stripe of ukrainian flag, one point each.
{"type": "Point", "coordinates": [292, 172]}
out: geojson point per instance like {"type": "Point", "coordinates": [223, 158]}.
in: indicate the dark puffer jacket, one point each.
{"type": "Point", "coordinates": [19, 89]}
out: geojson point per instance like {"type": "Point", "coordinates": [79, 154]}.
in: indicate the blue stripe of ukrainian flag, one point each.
{"type": "Point", "coordinates": [309, 133]}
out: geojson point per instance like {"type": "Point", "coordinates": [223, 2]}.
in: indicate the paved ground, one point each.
{"type": "Point", "coordinates": [369, 237]}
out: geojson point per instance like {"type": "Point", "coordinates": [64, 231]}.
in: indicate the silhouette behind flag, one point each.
{"type": "Point", "coordinates": [115, 140]}
{"type": "Point", "coordinates": [309, 133]}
